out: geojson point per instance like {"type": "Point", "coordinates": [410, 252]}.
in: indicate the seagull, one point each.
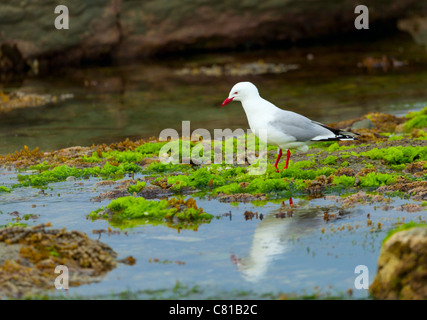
{"type": "Point", "coordinates": [285, 129]}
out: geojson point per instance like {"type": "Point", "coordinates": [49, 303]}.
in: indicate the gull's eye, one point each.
{"type": "Point", "coordinates": [236, 92]}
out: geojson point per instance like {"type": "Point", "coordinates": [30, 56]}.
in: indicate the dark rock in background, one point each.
{"type": "Point", "coordinates": [123, 30]}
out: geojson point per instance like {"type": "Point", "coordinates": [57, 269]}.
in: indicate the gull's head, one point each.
{"type": "Point", "coordinates": [241, 91]}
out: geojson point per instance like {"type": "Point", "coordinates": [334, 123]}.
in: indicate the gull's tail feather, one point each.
{"type": "Point", "coordinates": [340, 135]}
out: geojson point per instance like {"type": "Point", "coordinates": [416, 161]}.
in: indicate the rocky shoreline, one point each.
{"type": "Point", "coordinates": [390, 157]}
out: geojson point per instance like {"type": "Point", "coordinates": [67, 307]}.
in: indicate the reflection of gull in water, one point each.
{"type": "Point", "coordinates": [272, 235]}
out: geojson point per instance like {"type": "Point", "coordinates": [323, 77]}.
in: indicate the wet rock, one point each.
{"type": "Point", "coordinates": [70, 156]}
{"type": "Point", "coordinates": [363, 124]}
{"type": "Point", "coordinates": [253, 68]}
{"type": "Point", "coordinates": [19, 100]}
{"type": "Point", "coordinates": [402, 266]}
{"type": "Point", "coordinates": [345, 171]}
{"type": "Point", "coordinates": [155, 192]}
{"type": "Point", "coordinates": [105, 183]}
{"type": "Point", "coordinates": [361, 197]}
{"type": "Point", "coordinates": [317, 186]}
{"type": "Point", "coordinates": [74, 152]}
{"type": "Point", "coordinates": [123, 30]}
{"type": "Point", "coordinates": [384, 63]}
{"type": "Point", "coordinates": [110, 195]}
{"type": "Point", "coordinates": [385, 122]}
{"type": "Point", "coordinates": [411, 207]}
{"type": "Point", "coordinates": [241, 197]}
{"type": "Point", "coordinates": [415, 190]}
{"type": "Point", "coordinates": [11, 59]}
{"type": "Point", "coordinates": [30, 255]}
{"type": "Point", "coordinates": [416, 168]}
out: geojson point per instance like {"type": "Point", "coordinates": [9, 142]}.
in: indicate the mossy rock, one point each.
{"type": "Point", "coordinates": [402, 265]}
{"type": "Point", "coordinates": [29, 257]}
{"type": "Point", "coordinates": [126, 212]}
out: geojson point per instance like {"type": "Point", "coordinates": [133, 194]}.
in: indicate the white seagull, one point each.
{"type": "Point", "coordinates": [285, 129]}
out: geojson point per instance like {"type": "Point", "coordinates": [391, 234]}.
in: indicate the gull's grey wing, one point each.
{"type": "Point", "coordinates": [298, 126]}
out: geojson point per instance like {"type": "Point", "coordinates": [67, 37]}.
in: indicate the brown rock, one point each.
{"type": "Point", "coordinates": [402, 266]}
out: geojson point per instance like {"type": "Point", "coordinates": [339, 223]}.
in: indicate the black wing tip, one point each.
{"type": "Point", "coordinates": [339, 134]}
{"type": "Point", "coordinates": [336, 139]}
{"type": "Point", "coordinates": [341, 137]}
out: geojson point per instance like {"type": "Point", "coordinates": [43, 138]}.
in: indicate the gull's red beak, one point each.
{"type": "Point", "coordinates": [228, 100]}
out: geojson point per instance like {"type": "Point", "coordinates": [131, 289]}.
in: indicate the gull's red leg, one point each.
{"type": "Point", "coordinates": [277, 160]}
{"type": "Point", "coordinates": [288, 155]}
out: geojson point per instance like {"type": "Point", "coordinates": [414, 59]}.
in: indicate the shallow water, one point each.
{"type": "Point", "coordinates": [230, 257]}
{"type": "Point", "coordinates": [138, 101]}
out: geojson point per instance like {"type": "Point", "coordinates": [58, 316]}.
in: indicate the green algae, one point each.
{"type": "Point", "coordinates": [335, 146]}
{"type": "Point", "coordinates": [395, 137]}
{"type": "Point", "coordinates": [230, 188]}
{"type": "Point", "coordinates": [207, 177]}
{"type": "Point", "coordinates": [344, 180]}
{"type": "Point", "coordinates": [61, 173]}
{"type": "Point", "coordinates": [368, 165]}
{"type": "Point", "coordinates": [132, 211]}
{"type": "Point", "coordinates": [309, 174]}
{"type": "Point", "coordinates": [4, 189]}
{"type": "Point", "coordinates": [416, 120]}
{"type": "Point", "coordinates": [125, 156]}
{"type": "Point", "coordinates": [303, 164]}
{"type": "Point", "coordinates": [403, 227]}
{"type": "Point", "coordinates": [227, 179]}
{"type": "Point", "coordinates": [377, 179]}
{"type": "Point", "coordinates": [115, 155]}
{"type": "Point", "coordinates": [14, 224]}
{"type": "Point", "coordinates": [181, 149]}
{"type": "Point", "coordinates": [261, 185]}
{"type": "Point", "coordinates": [231, 180]}
{"type": "Point", "coordinates": [397, 155]}
{"type": "Point", "coordinates": [40, 167]}
{"type": "Point", "coordinates": [329, 160]}
{"type": "Point", "coordinates": [237, 180]}
{"type": "Point", "coordinates": [397, 167]}
{"type": "Point", "coordinates": [331, 146]}
{"type": "Point", "coordinates": [131, 208]}
{"type": "Point", "coordinates": [148, 149]}
{"type": "Point", "coordinates": [94, 158]}
{"type": "Point", "coordinates": [159, 167]}
{"type": "Point", "coordinates": [261, 203]}
{"type": "Point", "coordinates": [416, 123]}
{"type": "Point", "coordinates": [419, 134]}
{"type": "Point", "coordinates": [137, 187]}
